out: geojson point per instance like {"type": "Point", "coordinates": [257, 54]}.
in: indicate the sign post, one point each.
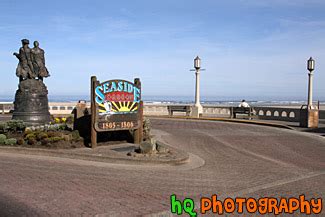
{"type": "Point", "coordinates": [93, 110]}
{"type": "Point", "coordinates": [116, 105]}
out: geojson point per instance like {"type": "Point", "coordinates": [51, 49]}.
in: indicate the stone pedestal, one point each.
{"type": "Point", "coordinates": [309, 117]}
{"type": "Point", "coordinates": [197, 111]}
{"type": "Point", "coordinates": [31, 102]}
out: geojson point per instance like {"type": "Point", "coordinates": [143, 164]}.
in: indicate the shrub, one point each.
{"type": "Point", "coordinates": [54, 134]}
{"type": "Point", "coordinates": [11, 141]}
{"type": "Point", "coordinates": [30, 136]}
{"type": "Point", "coordinates": [21, 126]}
{"type": "Point", "coordinates": [3, 127]}
{"type": "Point", "coordinates": [28, 130]}
{"type": "Point", "coordinates": [45, 141]}
{"type": "Point", "coordinates": [54, 127]}
{"type": "Point", "coordinates": [51, 133]}
{"type": "Point", "coordinates": [2, 139]}
{"type": "Point", "coordinates": [21, 141]}
{"type": "Point", "coordinates": [75, 135]}
{"type": "Point", "coordinates": [62, 126]}
{"type": "Point", "coordinates": [55, 139]}
{"type": "Point", "coordinates": [32, 141]}
{"type": "Point", "coordinates": [16, 125]}
{"type": "Point", "coordinates": [41, 135]}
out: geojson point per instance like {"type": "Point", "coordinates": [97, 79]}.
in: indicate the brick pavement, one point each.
{"type": "Point", "coordinates": [239, 160]}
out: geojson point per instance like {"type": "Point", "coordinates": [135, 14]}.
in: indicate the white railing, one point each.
{"type": "Point", "coordinates": [278, 113]}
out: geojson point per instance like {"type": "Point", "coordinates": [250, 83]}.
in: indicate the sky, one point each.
{"type": "Point", "coordinates": [253, 49]}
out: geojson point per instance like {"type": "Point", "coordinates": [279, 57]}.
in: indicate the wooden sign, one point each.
{"type": "Point", "coordinates": [116, 105]}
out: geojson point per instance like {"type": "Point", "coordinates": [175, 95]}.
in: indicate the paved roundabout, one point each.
{"type": "Point", "coordinates": [227, 159]}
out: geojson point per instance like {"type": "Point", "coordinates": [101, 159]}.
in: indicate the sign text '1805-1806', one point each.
{"type": "Point", "coordinates": [117, 125]}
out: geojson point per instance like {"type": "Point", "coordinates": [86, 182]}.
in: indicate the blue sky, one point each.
{"type": "Point", "coordinates": [250, 48]}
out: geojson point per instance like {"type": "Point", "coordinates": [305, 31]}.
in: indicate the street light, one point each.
{"type": "Point", "coordinates": [310, 67]}
{"type": "Point", "coordinates": [197, 109]}
{"type": "Point", "coordinates": [309, 117]}
{"type": "Point", "coordinates": [197, 62]}
{"type": "Point", "coordinates": [311, 64]}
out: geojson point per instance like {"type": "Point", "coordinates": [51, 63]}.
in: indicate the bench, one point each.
{"type": "Point", "coordinates": [242, 110]}
{"type": "Point", "coordinates": [179, 108]}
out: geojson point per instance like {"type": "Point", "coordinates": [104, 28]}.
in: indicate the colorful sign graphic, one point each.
{"type": "Point", "coordinates": [117, 97]}
{"type": "Point", "coordinates": [117, 105]}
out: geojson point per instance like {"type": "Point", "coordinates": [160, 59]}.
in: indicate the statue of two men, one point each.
{"type": "Point", "coordinates": [31, 62]}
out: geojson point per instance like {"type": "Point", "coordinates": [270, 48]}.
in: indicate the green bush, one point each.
{"type": "Point", "coordinates": [11, 141]}
{"type": "Point", "coordinates": [30, 136]}
{"type": "Point", "coordinates": [55, 139]}
{"type": "Point", "coordinates": [21, 126]}
{"type": "Point", "coordinates": [75, 135]}
{"type": "Point", "coordinates": [41, 135]}
{"type": "Point", "coordinates": [3, 127]}
{"type": "Point", "coordinates": [2, 139]}
{"type": "Point", "coordinates": [62, 126]}
{"type": "Point", "coordinates": [16, 125]}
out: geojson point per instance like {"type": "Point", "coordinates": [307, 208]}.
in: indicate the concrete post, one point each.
{"type": "Point", "coordinates": [197, 88]}
{"type": "Point", "coordinates": [310, 90]}
{"type": "Point", "coordinates": [197, 107]}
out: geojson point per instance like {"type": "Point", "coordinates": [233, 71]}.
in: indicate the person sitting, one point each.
{"type": "Point", "coordinates": [244, 104]}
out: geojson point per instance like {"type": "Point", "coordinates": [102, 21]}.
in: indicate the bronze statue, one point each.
{"type": "Point", "coordinates": [31, 102]}
{"type": "Point", "coordinates": [31, 62]}
{"type": "Point", "coordinates": [38, 61]}
{"type": "Point", "coordinates": [25, 67]}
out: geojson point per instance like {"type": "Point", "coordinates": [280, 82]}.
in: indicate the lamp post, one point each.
{"type": "Point", "coordinates": [197, 66]}
{"type": "Point", "coordinates": [197, 109]}
{"type": "Point", "coordinates": [310, 67]}
{"type": "Point", "coordinates": [309, 115]}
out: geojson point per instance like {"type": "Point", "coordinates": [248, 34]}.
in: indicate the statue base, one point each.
{"type": "Point", "coordinates": [31, 102]}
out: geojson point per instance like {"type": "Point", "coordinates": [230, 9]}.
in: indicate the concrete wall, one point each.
{"type": "Point", "coordinates": [216, 111]}
{"type": "Point", "coordinates": [278, 113]}
{"type": "Point", "coordinates": [63, 108]}
{"type": "Point", "coordinates": [156, 109]}
{"type": "Point", "coordinates": [6, 107]}
{"type": "Point", "coordinates": [265, 113]}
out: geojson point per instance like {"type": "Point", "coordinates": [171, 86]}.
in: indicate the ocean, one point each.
{"type": "Point", "coordinates": [211, 100]}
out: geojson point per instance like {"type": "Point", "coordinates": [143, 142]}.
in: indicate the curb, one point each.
{"type": "Point", "coordinates": [181, 156]}
{"type": "Point", "coordinates": [226, 120]}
